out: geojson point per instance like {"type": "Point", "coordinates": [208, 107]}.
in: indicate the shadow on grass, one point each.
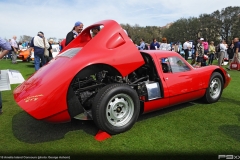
{"type": "Point", "coordinates": [232, 131]}
{"type": "Point", "coordinates": [230, 100]}
{"type": "Point", "coordinates": [29, 130]}
{"type": "Point", "coordinates": [30, 65]}
{"type": "Point", "coordinates": [165, 110]}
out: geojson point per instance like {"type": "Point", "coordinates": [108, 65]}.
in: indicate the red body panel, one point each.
{"type": "Point", "coordinates": [44, 94]}
{"type": "Point", "coordinates": [183, 86]}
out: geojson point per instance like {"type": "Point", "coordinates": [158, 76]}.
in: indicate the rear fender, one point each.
{"type": "Point", "coordinates": [74, 105]}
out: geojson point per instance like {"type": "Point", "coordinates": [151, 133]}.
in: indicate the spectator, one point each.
{"type": "Point", "coordinates": [237, 48]}
{"type": "Point", "coordinates": [24, 44]}
{"type": "Point", "coordinates": [9, 55]}
{"type": "Point", "coordinates": [186, 47]}
{"type": "Point", "coordinates": [217, 51]}
{"type": "Point", "coordinates": [14, 45]}
{"type": "Point", "coordinates": [199, 52]}
{"type": "Point", "coordinates": [194, 53]}
{"type": "Point", "coordinates": [175, 47]}
{"type": "Point", "coordinates": [142, 44]}
{"type": "Point", "coordinates": [164, 45]}
{"type": "Point", "coordinates": [147, 46]}
{"type": "Point", "coordinates": [6, 47]}
{"type": "Point", "coordinates": [154, 45]}
{"type": "Point", "coordinates": [37, 43]}
{"type": "Point", "coordinates": [95, 31]}
{"type": "Point", "coordinates": [77, 29]}
{"type": "Point", "coordinates": [205, 45]}
{"type": "Point", "coordinates": [230, 52]}
{"type": "Point", "coordinates": [20, 47]}
{"type": "Point", "coordinates": [211, 52]}
{"type": "Point", "coordinates": [223, 49]}
{"type": "Point", "coordinates": [225, 57]}
{"type": "Point", "coordinates": [50, 57]}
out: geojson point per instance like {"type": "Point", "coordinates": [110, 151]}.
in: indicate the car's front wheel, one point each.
{"type": "Point", "coordinates": [115, 108]}
{"type": "Point", "coordinates": [215, 88]}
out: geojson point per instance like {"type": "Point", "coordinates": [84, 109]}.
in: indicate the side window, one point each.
{"type": "Point", "coordinates": [165, 65]}
{"type": "Point", "coordinates": [173, 65]}
{"type": "Point", "coordinates": [177, 65]}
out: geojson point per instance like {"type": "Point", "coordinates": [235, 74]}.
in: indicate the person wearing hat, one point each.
{"type": "Point", "coordinates": [95, 30]}
{"type": "Point", "coordinates": [77, 29]}
{"type": "Point", "coordinates": [199, 52]}
{"type": "Point", "coordinates": [39, 43]}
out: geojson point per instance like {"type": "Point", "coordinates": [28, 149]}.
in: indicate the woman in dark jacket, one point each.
{"type": "Point", "coordinates": [230, 52]}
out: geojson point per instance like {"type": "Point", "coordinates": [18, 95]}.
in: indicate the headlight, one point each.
{"type": "Point", "coordinates": [228, 75]}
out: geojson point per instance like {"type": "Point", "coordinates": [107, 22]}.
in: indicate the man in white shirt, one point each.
{"type": "Point", "coordinates": [39, 43]}
{"type": "Point", "coordinates": [14, 45]}
{"type": "Point", "coordinates": [186, 47]}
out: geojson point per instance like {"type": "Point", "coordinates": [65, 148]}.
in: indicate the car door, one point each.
{"type": "Point", "coordinates": [182, 81]}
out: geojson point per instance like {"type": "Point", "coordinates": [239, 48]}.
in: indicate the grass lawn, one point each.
{"type": "Point", "coordinates": [189, 129]}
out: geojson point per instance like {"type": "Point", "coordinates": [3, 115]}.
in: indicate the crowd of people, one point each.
{"type": "Point", "coordinates": [203, 52]}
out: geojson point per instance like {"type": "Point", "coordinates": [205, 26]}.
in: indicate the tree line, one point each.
{"type": "Point", "coordinates": [224, 24]}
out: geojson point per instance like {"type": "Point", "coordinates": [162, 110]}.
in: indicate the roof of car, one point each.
{"type": "Point", "coordinates": [161, 52]}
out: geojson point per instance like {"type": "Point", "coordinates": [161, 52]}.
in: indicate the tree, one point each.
{"type": "Point", "coordinates": [227, 22]}
{"type": "Point", "coordinates": [25, 38]}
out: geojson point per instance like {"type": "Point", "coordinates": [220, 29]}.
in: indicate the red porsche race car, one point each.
{"type": "Point", "coordinates": [107, 79]}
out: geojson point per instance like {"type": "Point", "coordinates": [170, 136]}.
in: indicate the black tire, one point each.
{"type": "Point", "coordinates": [215, 88]}
{"type": "Point", "coordinates": [115, 108]}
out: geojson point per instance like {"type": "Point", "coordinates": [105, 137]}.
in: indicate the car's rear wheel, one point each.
{"type": "Point", "coordinates": [215, 88]}
{"type": "Point", "coordinates": [115, 108]}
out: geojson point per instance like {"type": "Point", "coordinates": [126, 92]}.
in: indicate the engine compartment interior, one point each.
{"type": "Point", "coordinates": [145, 80]}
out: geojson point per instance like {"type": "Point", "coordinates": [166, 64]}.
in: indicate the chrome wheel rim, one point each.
{"type": "Point", "coordinates": [215, 88]}
{"type": "Point", "coordinates": [120, 110]}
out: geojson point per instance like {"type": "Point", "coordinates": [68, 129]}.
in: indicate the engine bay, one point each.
{"type": "Point", "coordinates": [144, 80]}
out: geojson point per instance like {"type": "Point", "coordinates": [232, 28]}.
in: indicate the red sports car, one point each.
{"type": "Point", "coordinates": [107, 79]}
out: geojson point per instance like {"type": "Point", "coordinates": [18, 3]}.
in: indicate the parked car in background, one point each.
{"type": "Point", "coordinates": [108, 80]}
{"type": "Point", "coordinates": [55, 50]}
{"type": "Point", "coordinates": [24, 55]}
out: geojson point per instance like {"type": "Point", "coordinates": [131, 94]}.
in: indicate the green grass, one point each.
{"type": "Point", "coordinates": [190, 128]}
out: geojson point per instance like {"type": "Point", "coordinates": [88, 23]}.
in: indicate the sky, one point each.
{"type": "Point", "coordinates": [55, 18]}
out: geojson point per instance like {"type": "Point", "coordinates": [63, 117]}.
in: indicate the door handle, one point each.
{"type": "Point", "coordinates": [166, 78]}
